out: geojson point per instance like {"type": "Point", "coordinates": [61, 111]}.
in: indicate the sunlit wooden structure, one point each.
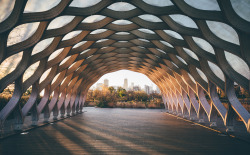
{"type": "Point", "coordinates": [187, 51]}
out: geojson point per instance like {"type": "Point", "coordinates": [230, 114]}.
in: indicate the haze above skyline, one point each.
{"type": "Point", "coordinates": [117, 79]}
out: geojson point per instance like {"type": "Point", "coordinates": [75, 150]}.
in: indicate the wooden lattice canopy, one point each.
{"type": "Point", "coordinates": [184, 47]}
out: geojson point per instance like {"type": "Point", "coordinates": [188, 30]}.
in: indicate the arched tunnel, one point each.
{"type": "Point", "coordinates": [189, 49]}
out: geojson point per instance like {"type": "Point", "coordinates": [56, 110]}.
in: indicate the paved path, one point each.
{"type": "Point", "coordinates": [122, 131]}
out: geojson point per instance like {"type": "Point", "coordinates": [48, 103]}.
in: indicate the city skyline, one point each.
{"type": "Point", "coordinates": [148, 89]}
{"type": "Point", "coordinates": [117, 79]}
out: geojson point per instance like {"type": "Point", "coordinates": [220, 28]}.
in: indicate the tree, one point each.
{"type": "Point", "coordinates": [111, 90]}
{"type": "Point", "coordinates": [108, 96]}
{"type": "Point", "coordinates": [121, 92]}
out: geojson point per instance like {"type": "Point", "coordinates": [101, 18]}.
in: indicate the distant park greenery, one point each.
{"type": "Point", "coordinates": [6, 95]}
{"type": "Point", "coordinates": [110, 97]}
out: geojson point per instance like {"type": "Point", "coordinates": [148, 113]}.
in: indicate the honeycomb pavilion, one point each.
{"type": "Point", "coordinates": [190, 49]}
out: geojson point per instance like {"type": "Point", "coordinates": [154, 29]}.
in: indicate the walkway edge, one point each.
{"type": "Point", "coordinates": [209, 128]}
{"type": "Point", "coordinates": [35, 127]}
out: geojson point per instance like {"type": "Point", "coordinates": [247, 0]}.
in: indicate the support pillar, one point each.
{"type": "Point", "coordinates": [18, 118]}
{"type": "Point", "coordinates": [34, 115]}
{"type": "Point", "coordinates": [73, 110]}
{"type": "Point", "coordinates": [46, 113]}
{"type": "Point", "coordinates": [62, 111]}
{"type": "Point", "coordinates": [230, 116]}
{"type": "Point", "coordinates": [213, 116]}
{"type": "Point", "coordinates": [68, 109]}
{"type": "Point", "coordinates": [55, 112]}
{"type": "Point", "coordinates": [201, 114]}
{"type": "Point", "coordinates": [193, 115]}
{"type": "Point", "coordinates": [185, 112]}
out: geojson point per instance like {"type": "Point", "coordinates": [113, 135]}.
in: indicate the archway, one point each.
{"type": "Point", "coordinates": [183, 49]}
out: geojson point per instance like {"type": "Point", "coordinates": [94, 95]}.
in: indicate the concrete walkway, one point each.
{"type": "Point", "coordinates": [122, 131]}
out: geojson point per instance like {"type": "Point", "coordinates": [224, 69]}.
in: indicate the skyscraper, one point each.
{"type": "Point", "coordinates": [106, 83]}
{"type": "Point", "coordinates": [132, 86]}
{"type": "Point", "coordinates": [99, 86]}
{"type": "Point", "coordinates": [137, 88]}
{"type": "Point", "coordinates": [125, 85]}
{"type": "Point", "coordinates": [147, 89]}
{"type": "Point", "coordinates": [158, 90]}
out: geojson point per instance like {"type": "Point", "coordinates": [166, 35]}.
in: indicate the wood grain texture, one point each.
{"type": "Point", "coordinates": [87, 57]}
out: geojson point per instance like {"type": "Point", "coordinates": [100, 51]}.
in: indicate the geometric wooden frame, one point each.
{"type": "Point", "coordinates": [169, 67]}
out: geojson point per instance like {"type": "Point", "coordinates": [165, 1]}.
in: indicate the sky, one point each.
{"type": "Point", "coordinates": [117, 79]}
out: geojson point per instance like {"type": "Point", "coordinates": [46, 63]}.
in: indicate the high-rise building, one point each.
{"type": "Point", "coordinates": [99, 86]}
{"type": "Point", "coordinates": [147, 89]}
{"type": "Point", "coordinates": [132, 86]}
{"type": "Point", "coordinates": [125, 85]}
{"type": "Point", "coordinates": [151, 89]}
{"type": "Point", "coordinates": [137, 88]}
{"type": "Point", "coordinates": [106, 83]}
{"type": "Point", "coordinates": [158, 90]}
